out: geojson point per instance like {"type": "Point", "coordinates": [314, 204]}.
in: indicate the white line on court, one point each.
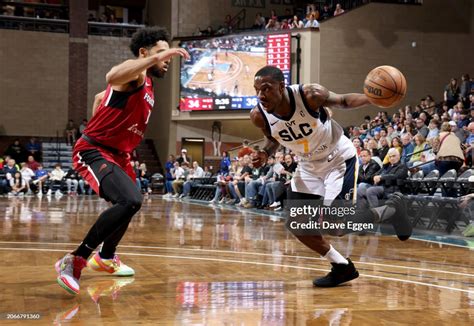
{"type": "Point", "coordinates": [251, 253]}
{"type": "Point", "coordinates": [262, 264]}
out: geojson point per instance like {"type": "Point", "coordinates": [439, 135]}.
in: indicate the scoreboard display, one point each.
{"type": "Point", "coordinates": [219, 75]}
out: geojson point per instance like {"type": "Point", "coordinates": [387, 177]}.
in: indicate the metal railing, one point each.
{"type": "Point", "coordinates": [34, 24]}
{"type": "Point", "coordinates": [62, 26]}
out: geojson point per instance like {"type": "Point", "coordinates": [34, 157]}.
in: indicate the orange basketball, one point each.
{"type": "Point", "coordinates": [385, 86]}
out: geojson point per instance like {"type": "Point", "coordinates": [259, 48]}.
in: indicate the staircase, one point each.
{"type": "Point", "coordinates": [147, 154]}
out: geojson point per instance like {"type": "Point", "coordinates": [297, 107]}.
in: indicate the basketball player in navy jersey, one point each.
{"type": "Point", "coordinates": [102, 154]}
{"type": "Point", "coordinates": [297, 118]}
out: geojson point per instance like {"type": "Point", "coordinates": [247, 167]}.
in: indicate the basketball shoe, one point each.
{"type": "Point", "coordinates": [340, 273]}
{"type": "Point", "coordinates": [113, 266]}
{"type": "Point", "coordinates": [69, 271]}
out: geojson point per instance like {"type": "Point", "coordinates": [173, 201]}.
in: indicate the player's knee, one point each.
{"type": "Point", "coordinates": [134, 203]}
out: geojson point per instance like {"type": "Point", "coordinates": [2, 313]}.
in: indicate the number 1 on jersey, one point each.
{"type": "Point", "coordinates": [305, 144]}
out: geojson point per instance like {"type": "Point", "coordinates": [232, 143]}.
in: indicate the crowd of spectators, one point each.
{"type": "Point", "coordinates": [52, 9]}
{"type": "Point", "coordinates": [430, 136]}
{"type": "Point", "coordinates": [22, 173]}
{"type": "Point", "coordinates": [238, 182]}
{"type": "Point", "coordinates": [288, 20]}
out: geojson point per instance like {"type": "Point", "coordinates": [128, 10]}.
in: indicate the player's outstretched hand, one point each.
{"type": "Point", "coordinates": [168, 54]}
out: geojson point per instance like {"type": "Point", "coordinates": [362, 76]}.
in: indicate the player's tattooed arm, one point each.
{"type": "Point", "coordinates": [97, 99]}
{"type": "Point", "coordinates": [271, 144]}
{"type": "Point", "coordinates": [317, 95]}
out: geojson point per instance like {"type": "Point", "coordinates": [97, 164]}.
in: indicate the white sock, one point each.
{"type": "Point", "coordinates": [335, 257]}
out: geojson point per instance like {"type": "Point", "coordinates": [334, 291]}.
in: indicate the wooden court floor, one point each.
{"type": "Point", "coordinates": [202, 265]}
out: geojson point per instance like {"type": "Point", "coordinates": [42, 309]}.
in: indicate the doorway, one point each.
{"type": "Point", "coordinates": [195, 148]}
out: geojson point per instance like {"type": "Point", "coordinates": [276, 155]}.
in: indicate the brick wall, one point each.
{"type": "Point", "coordinates": [33, 82]}
{"type": "Point", "coordinates": [104, 53]}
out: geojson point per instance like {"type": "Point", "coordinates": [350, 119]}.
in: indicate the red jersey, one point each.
{"type": "Point", "coordinates": [120, 119]}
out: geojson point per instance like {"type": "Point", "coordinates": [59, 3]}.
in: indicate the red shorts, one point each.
{"type": "Point", "coordinates": [93, 163]}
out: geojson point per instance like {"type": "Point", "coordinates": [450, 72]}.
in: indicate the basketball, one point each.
{"type": "Point", "coordinates": [385, 86]}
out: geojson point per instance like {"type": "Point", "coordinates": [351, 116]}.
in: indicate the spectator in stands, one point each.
{"type": "Point", "coordinates": [358, 144]}
{"type": "Point", "coordinates": [196, 173]}
{"type": "Point", "coordinates": [427, 160]}
{"type": "Point", "coordinates": [469, 145]}
{"type": "Point", "coordinates": [465, 89]}
{"type": "Point", "coordinates": [27, 175]}
{"type": "Point", "coordinates": [391, 133]}
{"type": "Point", "coordinates": [209, 31]}
{"type": "Point", "coordinates": [72, 182]}
{"type": "Point", "coordinates": [34, 148]}
{"type": "Point", "coordinates": [326, 12]}
{"type": "Point", "coordinates": [17, 185]}
{"type": "Point", "coordinates": [296, 23]}
{"type": "Point", "coordinates": [449, 155]}
{"type": "Point", "coordinates": [32, 164]}
{"type": "Point", "coordinates": [169, 165]}
{"type": "Point", "coordinates": [9, 170]}
{"type": "Point", "coordinates": [40, 178]}
{"type": "Point", "coordinates": [385, 181]}
{"type": "Point", "coordinates": [179, 175]}
{"type": "Point", "coordinates": [283, 173]}
{"type": "Point", "coordinates": [421, 127]}
{"type": "Point", "coordinates": [272, 25]}
{"type": "Point", "coordinates": [56, 177]}
{"type": "Point", "coordinates": [225, 164]}
{"type": "Point", "coordinates": [382, 151]}
{"type": "Point", "coordinates": [245, 150]}
{"type": "Point", "coordinates": [237, 186]}
{"type": "Point", "coordinates": [420, 147]}
{"type": "Point", "coordinates": [464, 119]}
{"type": "Point", "coordinates": [451, 93]}
{"type": "Point", "coordinates": [144, 177]}
{"type": "Point", "coordinates": [70, 132]}
{"type": "Point", "coordinates": [184, 158]}
{"type": "Point", "coordinates": [273, 15]}
{"type": "Point", "coordinates": [259, 22]}
{"type": "Point", "coordinates": [284, 24]}
{"type": "Point", "coordinates": [197, 32]}
{"type": "Point", "coordinates": [471, 106]}
{"type": "Point", "coordinates": [83, 126]}
{"type": "Point", "coordinates": [407, 148]}
{"type": "Point", "coordinates": [339, 10]}
{"type": "Point", "coordinates": [16, 151]}
{"type": "Point", "coordinates": [312, 22]}
{"type": "Point", "coordinates": [228, 25]}
{"type": "Point", "coordinates": [433, 129]}
{"type": "Point", "coordinates": [367, 170]}
{"type": "Point", "coordinates": [253, 198]}
{"type": "Point", "coordinates": [460, 133]}
{"type": "Point", "coordinates": [397, 144]}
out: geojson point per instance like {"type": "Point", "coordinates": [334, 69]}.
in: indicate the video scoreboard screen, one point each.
{"type": "Point", "coordinates": [219, 74]}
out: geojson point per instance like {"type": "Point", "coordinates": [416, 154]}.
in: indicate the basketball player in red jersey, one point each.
{"type": "Point", "coordinates": [101, 156]}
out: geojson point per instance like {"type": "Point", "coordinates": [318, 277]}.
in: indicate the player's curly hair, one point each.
{"type": "Point", "coordinates": [147, 38]}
